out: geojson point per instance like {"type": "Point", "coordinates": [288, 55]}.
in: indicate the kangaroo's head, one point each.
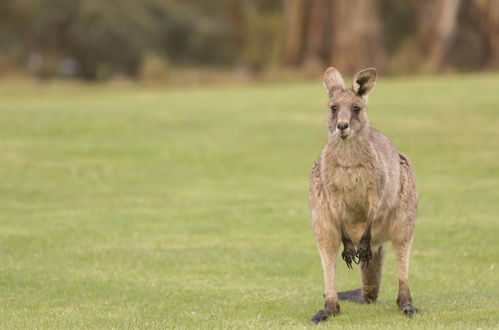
{"type": "Point", "coordinates": [347, 115]}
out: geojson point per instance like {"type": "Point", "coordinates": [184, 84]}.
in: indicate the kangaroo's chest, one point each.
{"type": "Point", "coordinates": [352, 185]}
{"type": "Point", "coordinates": [345, 179]}
{"type": "Point", "coordinates": [352, 177]}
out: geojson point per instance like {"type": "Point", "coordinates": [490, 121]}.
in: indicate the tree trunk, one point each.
{"type": "Point", "coordinates": [316, 43]}
{"type": "Point", "coordinates": [436, 25]}
{"type": "Point", "coordinates": [294, 30]}
{"type": "Point", "coordinates": [488, 18]}
{"type": "Point", "coordinates": [356, 38]}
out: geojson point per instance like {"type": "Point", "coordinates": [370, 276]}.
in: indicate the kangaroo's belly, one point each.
{"type": "Point", "coordinates": [379, 232]}
{"type": "Point", "coordinates": [354, 188]}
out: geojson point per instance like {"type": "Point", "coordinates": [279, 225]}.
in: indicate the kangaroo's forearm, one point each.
{"type": "Point", "coordinates": [349, 253]}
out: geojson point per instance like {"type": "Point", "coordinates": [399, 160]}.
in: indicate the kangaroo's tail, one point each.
{"type": "Point", "coordinates": [352, 295]}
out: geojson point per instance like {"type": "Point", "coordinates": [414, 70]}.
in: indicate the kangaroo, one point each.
{"type": "Point", "coordinates": [362, 194]}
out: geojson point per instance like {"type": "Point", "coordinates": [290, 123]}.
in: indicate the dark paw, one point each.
{"type": "Point", "coordinates": [364, 253]}
{"type": "Point", "coordinates": [322, 315]}
{"type": "Point", "coordinates": [408, 309]}
{"type": "Point", "coordinates": [349, 255]}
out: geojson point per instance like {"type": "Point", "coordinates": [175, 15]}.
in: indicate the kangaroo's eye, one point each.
{"type": "Point", "coordinates": [356, 109]}
{"type": "Point", "coordinates": [334, 108]}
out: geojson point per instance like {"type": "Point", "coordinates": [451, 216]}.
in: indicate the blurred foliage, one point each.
{"type": "Point", "coordinates": [115, 36]}
{"type": "Point", "coordinates": [95, 39]}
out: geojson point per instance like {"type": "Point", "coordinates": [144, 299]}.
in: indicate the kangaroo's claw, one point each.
{"type": "Point", "coordinates": [349, 255]}
{"type": "Point", "coordinates": [364, 253]}
{"type": "Point", "coordinates": [409, 310]}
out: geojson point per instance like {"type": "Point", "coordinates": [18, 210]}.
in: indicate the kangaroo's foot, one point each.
{"type": "Point", "coordinates": [352, 295]}
{"type": "Point", "coordinates": [408, 309]}
{"type": "Point", "coordinates": [329, 309]}
{"type": "Point", "coordinates": [364, 251]}
{"type": "Point", "coordinates": [349, 254]}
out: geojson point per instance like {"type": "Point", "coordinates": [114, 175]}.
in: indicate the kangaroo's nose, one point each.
{"type": "Point", "coordinates": [342, 126]}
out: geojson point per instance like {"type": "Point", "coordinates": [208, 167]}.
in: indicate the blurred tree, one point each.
{"type": "Point", "coordinates": [346, 33]}
{"type": "Point", "coordinates": [487, 21]}
{"type": "Point", "coordinates": [357, 38]}
{"type": "Point", "coordinates": [436, 27]}
{"type": "Point", "coordinates": [317, 34]}
{"type": "Point", "coordinates": [106, 37]}
{"type": "Point", "coordinates": [97, 39]}
{"type": "Point", "coordinates": [256, 29]}
{"type": "Point", "coordinates": [295, 25]}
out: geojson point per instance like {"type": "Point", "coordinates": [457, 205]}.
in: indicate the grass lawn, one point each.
{"type": "Point", "coordinates": [147, 208]}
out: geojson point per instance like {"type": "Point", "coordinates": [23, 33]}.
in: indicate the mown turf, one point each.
{"type": "Point", "coordinates": [127, 207]}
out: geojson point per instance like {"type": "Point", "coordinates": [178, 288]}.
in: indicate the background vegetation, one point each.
{"type": "Point", "coordinates": [139, 208]}
{"type": "Point", "coordinates": [153, 39]}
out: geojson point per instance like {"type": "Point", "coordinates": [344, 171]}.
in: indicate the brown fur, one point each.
{"type": "Point", "coordinates": [362, 192]}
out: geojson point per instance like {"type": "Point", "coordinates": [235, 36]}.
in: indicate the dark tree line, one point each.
{"type": "Point", "coordinates": [397, 36]}
{"type": "Point", "coordinates": [96, 39]}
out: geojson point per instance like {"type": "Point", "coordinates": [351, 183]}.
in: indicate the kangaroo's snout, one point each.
{"type": "Point", "coordinates": [343, 128]}
{"type": "Point", "coordinates": [342, 125]}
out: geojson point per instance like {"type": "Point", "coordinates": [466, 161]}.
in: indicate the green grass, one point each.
{"type": "Point", "coordinates": [128, 207]}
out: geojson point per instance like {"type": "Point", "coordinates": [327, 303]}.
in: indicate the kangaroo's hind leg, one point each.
{"type": "Point", "coordinates": [402, 232]}
{"type": "Point", "coordinates": [404, 300]}
{"type": "Point", "coordinates": [328, 241]}
{"type": "Point", "coordinates": [328, 247]}
{"type": "Point", "coordinates": [327, 235]}
{"type": "Point", "coordinates": [371, 278]}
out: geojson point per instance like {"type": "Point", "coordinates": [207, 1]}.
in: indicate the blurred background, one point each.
{"type": "Point", "coordinates": [154, 159]}
{"type": "Point", "coordinates": [192, 40]}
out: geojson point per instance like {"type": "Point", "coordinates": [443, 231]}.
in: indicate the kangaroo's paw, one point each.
{"type": "Point", "coordinates": [349, 255]}
{"type": "Point", "coordinates": [408, 309]}
{"type": "Point", "coordinates": [324, 314]}
{"type": "Point", "coordinates": [321, 315]}
{"type": "Point", "coordinates": [364, 252]}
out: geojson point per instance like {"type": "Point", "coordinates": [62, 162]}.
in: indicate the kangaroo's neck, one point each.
{"type": "Point", "coordinates": [353, 152]}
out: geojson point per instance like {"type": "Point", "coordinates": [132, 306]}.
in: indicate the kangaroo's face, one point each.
{"type": "Point", "coordinates": [347, 115]}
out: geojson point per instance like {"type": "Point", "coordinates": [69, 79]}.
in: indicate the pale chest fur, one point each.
{"type": "Point", "coordinates": [351, 186]}
{"type": "Point", "coordinates": [354, 179]}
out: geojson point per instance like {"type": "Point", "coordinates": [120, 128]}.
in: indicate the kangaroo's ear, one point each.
{"type": "Point", "coordinates": [364, 81]}
{"type": "Point", "coordinates": [333, 79]}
